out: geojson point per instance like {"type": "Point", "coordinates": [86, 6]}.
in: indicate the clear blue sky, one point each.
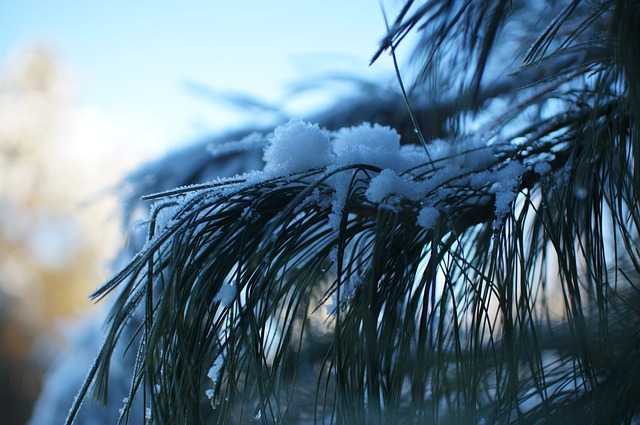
{"type": "Point", "coordinates": [133, 58]}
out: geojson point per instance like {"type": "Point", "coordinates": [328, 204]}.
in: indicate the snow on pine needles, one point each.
{"type": "Point", "coordinates": [365, 164]}
{"type": "Point", "coordinates": [453, 174]}
{"type": "Point", "coordinates": [328, 206]}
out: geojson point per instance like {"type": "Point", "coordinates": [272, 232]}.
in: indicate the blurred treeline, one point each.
{"type": "Point", "coordinates": [48, 259]}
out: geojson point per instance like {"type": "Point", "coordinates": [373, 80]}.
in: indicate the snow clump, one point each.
{"type": "Point", "coordinates": [214, 375]}
{"type": "Point", "coordinates": [428, 217]}
{"type": "Point", "coordinates": [505, 191]}
{"type": "Point", "coordinates": [297, 146]}
{"type": "Point", "coordinates": [427, 178]}
{"type": "Point", "coordinates": [435, 182]}
{"type": "Point", "coordinates": [366, 144]}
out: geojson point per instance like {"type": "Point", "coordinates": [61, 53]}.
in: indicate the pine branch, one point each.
{"type": "Point", "coordinates": [448, 276]}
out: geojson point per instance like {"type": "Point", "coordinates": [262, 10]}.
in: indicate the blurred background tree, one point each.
{"type": "Point", "coordinates": [49, 258]}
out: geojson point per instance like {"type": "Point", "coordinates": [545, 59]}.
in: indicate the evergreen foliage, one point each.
{"type": "Point", "coordinates": [506, 309]}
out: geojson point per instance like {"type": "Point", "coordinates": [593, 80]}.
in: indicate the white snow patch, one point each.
{"type": "Point", "coordinates": [428, 217]}
{"type": "Point", "coordinates": [367, 144]}
{"type": "Point", "coordinates": [214, 375]}
{"type": "Point", "coordinates": [297, 146]}
{"type": "Point", "coordinates": [507, 181]}
{"type": "Point", "coordinates": [388, 183]}
{"type": "Point", "coordinates": [340, 183]}
{"type": "Point", "coordinates": [463, 172]}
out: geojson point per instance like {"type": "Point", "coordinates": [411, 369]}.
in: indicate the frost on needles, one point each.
{"type": "Point", "coordinates": [452, 174]}
{"type": "Point", "coordinates": [361, 169]}
{"type": "Point", "coordinates": [432, 184]}
{"type": "Point", "coordinates": [325, 202]}
{"type": "Point", "coordinates": [427, 186]}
